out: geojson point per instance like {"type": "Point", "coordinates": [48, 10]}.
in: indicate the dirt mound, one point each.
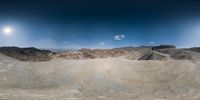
{"type": "Point", "coordinates": [27, 54]}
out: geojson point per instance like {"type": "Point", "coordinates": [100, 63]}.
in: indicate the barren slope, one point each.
{"type": "Point", "coordinates": [107, 79]}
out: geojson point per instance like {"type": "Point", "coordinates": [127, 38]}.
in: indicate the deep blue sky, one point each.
{"type": "Point", "coordinates": [100, 23]}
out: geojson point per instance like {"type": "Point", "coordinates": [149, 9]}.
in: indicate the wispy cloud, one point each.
{"type": "Point", "coordinates": [119, 37]}
{"type": "Point", "coordinates": [66, 42]}
{"type": "Point", "coordinates": [102, 43]}
{"type": "Point", "coordinates": [151, 42]}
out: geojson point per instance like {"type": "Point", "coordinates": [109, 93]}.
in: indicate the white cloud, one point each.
{"type": "Point", "coordinates": [151, 42]}
{"type": "Point", "coordinates": [122, 36]}
{"type": "Point", "coordinates": [119, 37]}
{"type": "Point", "coordinates": [66, 42]}
{"type": "Point", "coordinates": [102, 43]}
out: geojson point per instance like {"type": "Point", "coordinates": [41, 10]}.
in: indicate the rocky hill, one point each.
{"type": "Point", "coordinates": [132, 53]}
{"type": "Point", "coordinates": [27, 54]}
{"type": "Point", "coordinates": [162, 52]}
{"type": "Point", "coordinates": [195, 49]}
{"type": "Point", "coordinates": [181, 54]}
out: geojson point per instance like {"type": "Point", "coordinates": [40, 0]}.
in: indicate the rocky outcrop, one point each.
{"type": "Point", "coordinates": [27, 54]}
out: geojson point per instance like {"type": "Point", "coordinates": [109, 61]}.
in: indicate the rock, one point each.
{"type": "Point", "coordinates": [27, 54]}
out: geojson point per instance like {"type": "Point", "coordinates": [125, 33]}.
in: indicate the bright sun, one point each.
{"type": "Point", "coordinates": [7, 30]}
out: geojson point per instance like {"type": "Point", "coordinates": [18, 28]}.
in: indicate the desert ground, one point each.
{"type": "Point", "coordinates": [129, 73]}
{"type": "Point", "coordinates": [99, 79]}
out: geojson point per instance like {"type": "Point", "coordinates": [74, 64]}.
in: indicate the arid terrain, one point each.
{"type": "Point", "coordinates": [129, 73]}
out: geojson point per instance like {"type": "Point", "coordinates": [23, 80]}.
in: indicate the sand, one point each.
{"type": "Point", "coordinates": [99, 79]}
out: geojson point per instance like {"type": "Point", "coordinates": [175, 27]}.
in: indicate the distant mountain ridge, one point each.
{"type": "Point", "coordinates": [162, 52]}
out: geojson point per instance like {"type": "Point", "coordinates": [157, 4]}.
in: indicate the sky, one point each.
{"type": "Point", "coordinates": [99, 23]}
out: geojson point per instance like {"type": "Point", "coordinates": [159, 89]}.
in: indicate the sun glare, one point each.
{"type": "Point", "coordinates": [7, 30]}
